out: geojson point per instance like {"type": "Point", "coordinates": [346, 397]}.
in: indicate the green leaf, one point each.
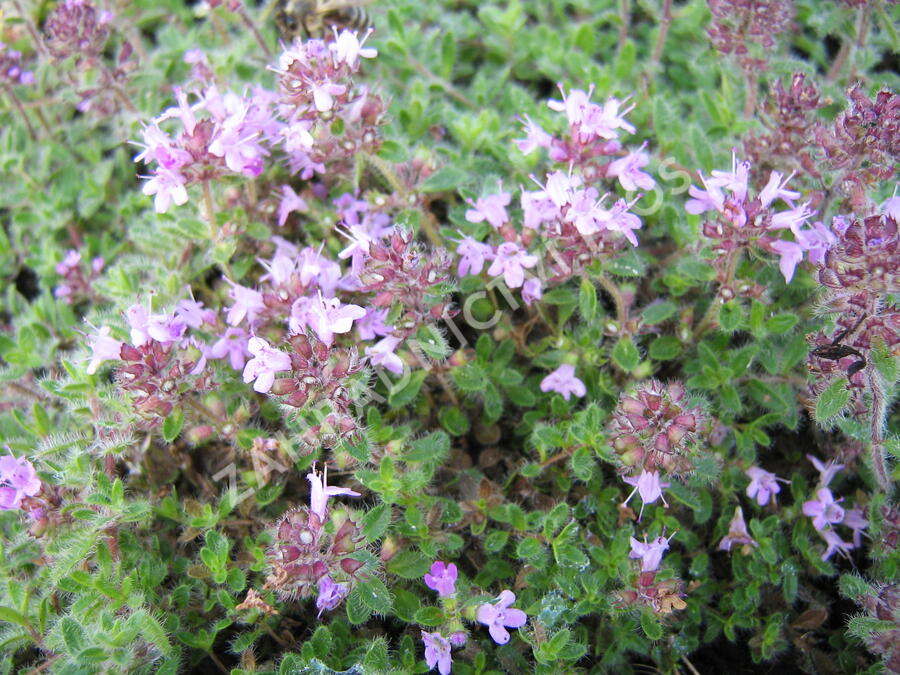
{"type": "Point", "coordinates": [454, 421]}
{"type": "Point", "coordinates": [587, 299]}
{"type": "Point", "coordinates": [731, 316]}
{"type": "Point", "coordinates": [430, 616]}
{"type": "Point", "coordinates": [650, 624]}
{"type": "Point", "coordinates": [12, 616]}
{"type": "Point", "coordinates": [781, 323]}
{"type": "Point", "coordinates": [658, 312]}
{"type": "Point", "coordinates": [375, 595]}
{"type": "Point", "coordinates": [469, 377]}
{"type": "Point", "coordinates": [376, 522]}
{"type": "Point", "coordinates": [433, 447]}
{"type": "Point", "coordinates": [404, 391]}
{"type": "Point", "coordinates": [445, 179]}
{"type": "Point", "coordinates": [665, 348]}
{"type": "Point", "coordinates": [832, 401]}
{"type": "Point", "coordinates": [625, 355]}
{"type": "Point", "coordinates": [172, 425]}
{"type": "Point", "coordinates": [409, 565]}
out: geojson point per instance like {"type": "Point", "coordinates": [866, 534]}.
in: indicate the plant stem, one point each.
{"type": "Point", "coordinates": [251, 26]}
{"type": "Point", "coordinates": [664, 22]}
{"type": "Point", "coordinates": [17, 104]}
{"type": "Point", "coordinates": [610, 287]}
{"type": "Point", "coordinates": [117, 90]}
{"type": "Point", "coordinates": [751, 93]}
{"type": "Point", "coordinates": [209, 211]}
{"type": "Point", "coordinates": [625, 16]}
{"type": "Point", "coordinates": [712, 313]}
{"type": "Point", "coordinates": [452, 91]}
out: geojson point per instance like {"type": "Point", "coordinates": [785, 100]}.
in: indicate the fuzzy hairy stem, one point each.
{"type": "Point", "coordinates": [664, 22]}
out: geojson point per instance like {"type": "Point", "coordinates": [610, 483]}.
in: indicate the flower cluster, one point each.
{"type": "Point", "coordinates": [739, 24]}
{"type": "Point", "coordinates": [662, 596]}
{"type": "Point", "coordinates": [826, 513]}
{"type": "Point", "coordinates": [18, 480]}
{"type": "Point", "coordinates": [76, 285]}
{"type": "Point", "coordinates": [864, 143]}
{"type": "Point", "coordinates": [11, 70]}
{"type": "Point", "coordinates": [656, 428]}
{"type": "Point", "coordinates": [220, 134]}
{"type": "Point", "coordinates": [791, 121]}
{"type": "Point", "coordinates": [741, 221]}
{"type": "Point", "coordinates": [884, 605]}
{"type": "Point", "coordinates": [328, 120]}
{"type": "Point", "coordinates": [404, 275]}
{"type": "Point", "coordinates": [77, 28]}
{"type": "Point", "coordinates": [313, 548]}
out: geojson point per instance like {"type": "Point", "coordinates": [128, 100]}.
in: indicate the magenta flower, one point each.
{"type": "Point", "coordinates": [232, 344]}
{"type": "Point", "coordinates": [290, 202]}
{"type": "Point", "coordinates": [437, 652]}
{"type": "Point", "coordinates": [824, 510]}
{"type": "Point", "coordinates": [166, 187]}
{"type": "Point", "coordinates": [330, 594]}
{"type": "Point", "coordinates": [347, 48]}
{"type": "Point", "coordinates": [500, 616]}
{"type": "Point", "coordinates": [628, 171]}
{"type": "Point", "coordinates": [835, 544]}
{"type": "Point", "coordinates": [650, 554]}
{"type": "Point", "coordinates": [648, 486]}
{"type": "Point", "coordinates": [191, 313]}
{"type": "Point", "coordinates": [472, 255]}
{"type": "Point", "coordinates": [531, 290]}
{"type": "Point", "coordinates": [763, 485]}
{"type": "Point", "coordinates": [790, 254]}
{"type": "Point", "coordinates": [856, 521]}
{"type": "Point", "coordinates": [563, 381]}
{"type": "Point", "coordinates": [18, 480]}
{"type": "Point", "coordinates": [265, 363]}
{"type": "Point", "coordinates": [442, 578]}
{"type": "Point", "coordinates": [328, 316]}
{"type": "Point", "coordinates": [775, 189]}
{"type": "Point", "coordinates": [826, 471]}
{"type": "Point", "coordinates": [511, 261]}
{"type": "Point", "coordinates": [491, 208]}
{"type": "Point", "coordinates": [382, 354]}
{"type": "Point", "coordinates": [104, 348]}
{"type": "Point", "coordinates": [247, 304]}
{"type": "Point", "coordinates": [372, 324]}
{"type": "Point", "coordinates": [737, 533]}
{"type": "Point", "coordinates": [535, 138]}
{"type": "Point", "coordinates": [320, 491]}
{"type": "Point", "coordinates": [160, 327]}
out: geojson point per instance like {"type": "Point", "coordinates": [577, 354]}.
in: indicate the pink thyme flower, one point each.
{"type": "Point", "coordinates": [531, 290]}
{"type": "Point", "coordinates": [265, 363]}
{"type": "Point", "coordinates": [648, 486]}
{"type": "Point", "coordinates": [382, 354]}
{"type": "Point", "coordinates": [535, 138]}
{"type": "Point", "coordinates": [472, 255]}
{"type": "Point", "coordinates": [166, 187]}
{"type": "Point", "coordinates": [328, 316]}
{"type": "Point", "coordinates": [650, 554]}
{"type": "Point", "coordinates": [823, 510]}
{"type": "Point", "coordinates": [191, 313]}
{"type": "Point", "coordinates": [290, 202]}
{"type": "Point", "coordinates": [763, 485]}
{"type": "Point", "coordinates": [790, 254]}
{"type": "Point", "coordinates": [347, 48]}
{"type": "Point", "coordinates": [372, 324]}
{"type": "Point", "coordinates": [491, 208]}
{"type": "Point", "coordinates": [144, 326]}
{"type": "Point", "coordinates": [826, 471]}
{"type": "Point", "coordinates": [248, 303]}
{"type": "Point", "coordinates": [563, 381]}
{"type": "Point", "coordinates": [442, 578]}
{"type": "Point", "coordinates": [628, 171]}
{"type": "Point", "coordinates": [320, 491]}
{"type": "Point", "coordinates": [104, 348]}
{"type": "Point", "coordinates": [234, 344]}
{"type": "Point", "coordinates": [437, 652]}
{"type": "Point", "coordinates": [18, 480]}
{"type": "Point", "coordinates": [855, 519]}
{"type": "Point", "coordinates": [737, 533]}
{"type": "Point", "coordinates": [510, 262]}
{"type": "Point", "coordinates": [835, 544]}
{"type": "Point", "coordinates": [330, 594]}
{"type": "Point", "coordinates": [500, 616]}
